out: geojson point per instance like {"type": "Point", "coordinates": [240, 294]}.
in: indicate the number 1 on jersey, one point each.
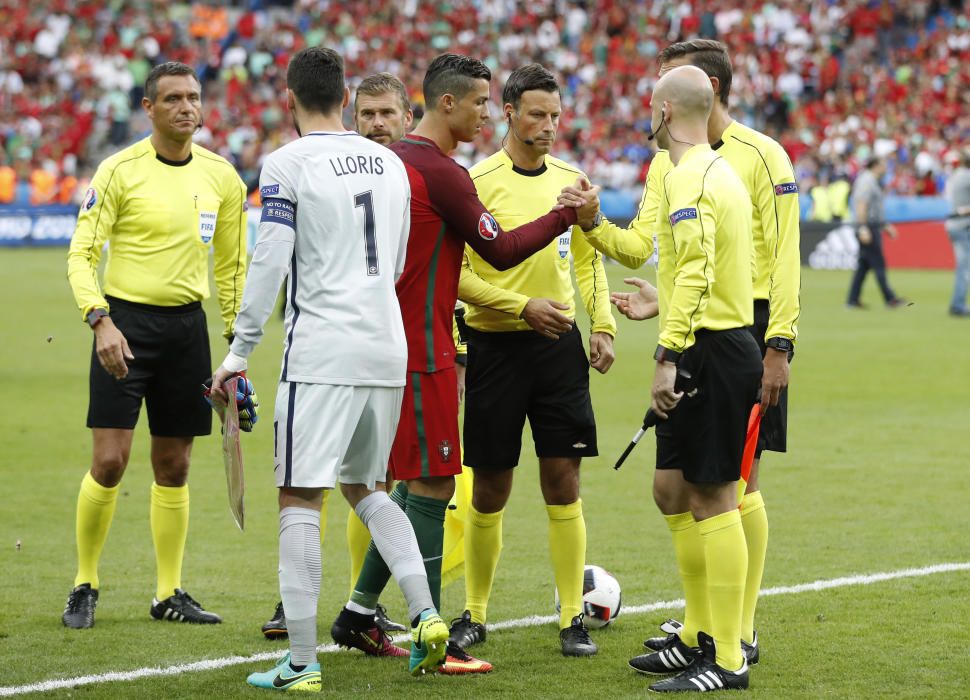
{"type": "Point", "coordinates": [366, 200]}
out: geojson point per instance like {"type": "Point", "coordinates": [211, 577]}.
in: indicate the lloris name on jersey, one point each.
{"type": "Point", "coordinates": [353, 165]}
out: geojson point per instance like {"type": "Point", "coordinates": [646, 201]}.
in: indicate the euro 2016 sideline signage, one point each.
{"type": "Point", "coordinates": [37, 226]}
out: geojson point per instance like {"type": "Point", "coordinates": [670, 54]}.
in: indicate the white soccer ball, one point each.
{"type": "Point", "coordinates": [601, 597]}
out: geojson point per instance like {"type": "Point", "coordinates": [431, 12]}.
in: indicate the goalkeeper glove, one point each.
{"type": "Point", "coordinates": [247, 404]}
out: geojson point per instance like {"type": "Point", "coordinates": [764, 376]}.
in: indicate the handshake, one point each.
{"type": "Point", "coordinates": [584, 198]}
{"type": "Point", "coordinates": [247, 403]}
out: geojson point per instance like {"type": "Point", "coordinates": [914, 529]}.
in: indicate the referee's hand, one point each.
{"type": "Point", "coordinates": [545, 316]}
{"type": "Point", "coordinates": [663, 396]}
{"type": "Point", "coordinates": [601, 353]}
{"type": "Point", "coordinates": [112, 348]}
{"type": "Point", "coordinates": [639, 305]}
{"type": "Point", "coordinates": [774, 378]}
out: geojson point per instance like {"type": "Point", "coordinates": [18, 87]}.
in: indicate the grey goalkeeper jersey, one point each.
{"type": "Point", "coordinates": [335, 224]}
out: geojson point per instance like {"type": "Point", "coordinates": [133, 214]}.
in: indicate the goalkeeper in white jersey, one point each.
{"type": "Point", "coordinates": [335, 224]}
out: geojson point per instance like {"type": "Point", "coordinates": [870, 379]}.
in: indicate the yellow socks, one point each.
{"type": "Point", "coordinates": [483, 546]}
{"type": "Point", "coordinates": [726, 555]}
{"type": "Point", "coordinates": [95, 509]}
{"type": "Point", "coordinates": [170, 526]}
{"type": "Point", "coordinates": [567, 548]}
{"type": "Point", "coordinates": [754, 520]}
{"type": "Point", "coordinates": [358, 540]}
{"type": "Point", "coordinates": [689, 549]}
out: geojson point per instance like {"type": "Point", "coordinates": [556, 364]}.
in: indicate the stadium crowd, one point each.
{"type": "Point", "coordinates": [834, 82]}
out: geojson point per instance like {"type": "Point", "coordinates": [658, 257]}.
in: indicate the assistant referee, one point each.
{"type": "Point", "coordinates": [767, 174]}
{"type": "Point", "coordinates": [704, 278]}
{"type": "Point", "coordinates": [160, 205]}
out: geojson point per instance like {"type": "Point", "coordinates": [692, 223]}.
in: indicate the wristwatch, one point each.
{"type": "Point", "coordinates": [597, 220]}
{"type": "Point", "coordinates": [663, 354]}
{"type": "Point", "coordinates": [95, 315]}
{"type": "Point", "coordinates": [781, 344]}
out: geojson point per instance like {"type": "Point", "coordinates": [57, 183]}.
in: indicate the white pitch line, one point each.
{"type": "Point", "coordinates": [530, 621]}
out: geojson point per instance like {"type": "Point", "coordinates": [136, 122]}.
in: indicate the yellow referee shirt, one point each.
{"type": "Point", "coordinates": [767, 174]}
{"type": "Point", "coordinates": [159, 220]}
{"type": "Point", "coordinates": [633, 246]}
{"type": "Point", "coordinates": [494, 299]}
{"type": "Point", "coordinates": [704, 248]}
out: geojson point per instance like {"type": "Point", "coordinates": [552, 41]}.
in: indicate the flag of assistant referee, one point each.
{"type": "Point", "coordinates": [160, 205]}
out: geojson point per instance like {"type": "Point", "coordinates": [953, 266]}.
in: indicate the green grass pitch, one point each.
{"type": "Point", "coordinates": [876, 480]}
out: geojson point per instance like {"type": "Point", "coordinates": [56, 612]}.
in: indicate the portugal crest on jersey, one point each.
{"type": "Point", "coordinates": [445, 450]}
{"type": "Point", "coordinates": [487, 227]}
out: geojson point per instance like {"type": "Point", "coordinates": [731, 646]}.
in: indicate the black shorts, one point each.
{"type": "Point", "coordinates": [171, 349]}
{"type": "Point", "coordinates": [773, 434]}
{"type": "Point", "coordinates": [521, 374]}
{"type": "Point", "coordinates": [704, 436]}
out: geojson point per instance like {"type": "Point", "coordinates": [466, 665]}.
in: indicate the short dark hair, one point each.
{"type": "Point", "coordinates": [381, 84]}
{"type": "Point", "coordinates": [708, 55]}
{"type": "Point", "coordinates": [872, 162]}
{"type": "Point", "coordinates": [452, 74]}
{"type": "Point", "coordinates": [160, 71]}
{"type": "Point", "coordinates": [530, 77]}
{"type": "Point", "coordinates": [316, 77]}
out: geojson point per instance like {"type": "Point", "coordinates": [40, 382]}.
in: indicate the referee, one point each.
{"type": "Point", "coordinates": [160, 205]}
{"type": "Point", "coordinates": [706, 299]}
{"type": "Point", "coordinates": [526, 355]}
{"type": "Point", "coordinates": [767, 174]}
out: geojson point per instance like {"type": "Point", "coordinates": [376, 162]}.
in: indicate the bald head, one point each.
{"type": "Point", "coordinates": [683, 98]}
{"type": "Point", "coordinates": [688, 89]}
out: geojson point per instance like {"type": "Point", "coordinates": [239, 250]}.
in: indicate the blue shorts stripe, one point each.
{"type": "Point", "coordinates": [296, 315]}
{"type": "Point", "coordinates": [290, 410]}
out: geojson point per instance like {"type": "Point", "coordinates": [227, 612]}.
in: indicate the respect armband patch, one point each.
{"type": "Point", "coordinates": [279, 211]}
{"type": "Point", "coordinates": [682, 214]}
{"type": "Point", "coordinates": [786, 188]}
{"type": "Point", "coordinates": [269, 190]}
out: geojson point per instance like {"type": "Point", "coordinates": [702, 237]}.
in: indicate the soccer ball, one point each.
{"type": "Point", "coordinates": [601, 597]}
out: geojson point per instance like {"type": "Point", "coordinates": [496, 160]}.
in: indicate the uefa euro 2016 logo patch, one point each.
{"type": "Point", "coordinates": [487, 227]}
{"type": "Point", "coordinates": [90, 199]}
{"type": "Point", "coordinates": [682, 214]}
{"type": "Point", "coordinates": [787, 188]}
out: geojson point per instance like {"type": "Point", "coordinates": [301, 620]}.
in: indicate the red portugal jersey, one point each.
{"type": "Point", "coordinates": [445, 215]}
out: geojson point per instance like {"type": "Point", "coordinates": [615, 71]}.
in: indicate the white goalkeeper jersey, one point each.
{"type": "Point", "coordinates": [335, 223]}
